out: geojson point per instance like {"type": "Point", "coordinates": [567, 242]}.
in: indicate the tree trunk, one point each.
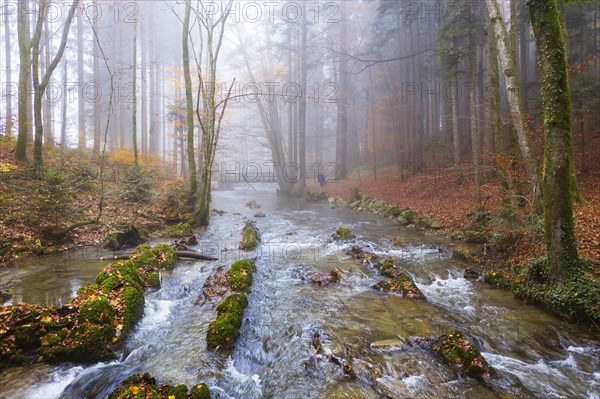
{"type": "Point", "coordinates": [143, 83]}
{"type": "Point", "coordinates": [97, 106]}
{"type": "Point", "coordinates": [24, 75]}
{"type": "Point", "coordinates": [189, 100]}
{"type": "Point", "coordinates": [82, 138]}
{"type": "Point", "coordinates": [302, 109]}
{"type": "Point", "coordinates": [7, 42]}
{"type": "Point", "coordinates": [40, 86]}
{"type": "Point", "coordinates": [473, 113]}
{"type": "Point", "coordinates": [341, 147]}
{"type": "Point", "coordinates": [134, 105]}
{"type": "Point", "coordinates": [506, 56]}
{"type": "Point", "coordinates": [63, 119]}
{"type": "Point", "coordinates": [558, 141]}
{"type": "Point", "coordinates": [48, 136]}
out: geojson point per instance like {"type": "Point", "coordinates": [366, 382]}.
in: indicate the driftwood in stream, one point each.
{"type": "Point", "coordinates": [180, 254]}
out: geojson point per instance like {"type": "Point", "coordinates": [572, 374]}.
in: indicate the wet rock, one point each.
{"type": "Point", "coordinates": [185, 242]}
{"type": "Point", "coordinates": [323, 279]}
{"type": "Point", "coordinates": [388, 345]}
{"type": "Point", "coordinates": [407, 217]}
{"type": "Point", "coordinates": [216, 285]}
{"type": "Point", "coordinates": [4, 297]}
{"type": "Point", "coordinates": [125, 236]}
{"type": "Point", "coordinates": [458, 352]}
{"type": "Point", "coordinates": [260, 215]}
{"type": "Point", "coordinates": [462, 254]}
{"type": "Point", "coordinates": [250, 236]}
{"type": "Point", "coordinates": [218, 212]}
{"type": "Point", "coordinates": [253, 205]}
{"type": "Point", "coordinates": [470, 274]}
{"type": "Point", "coordinates": [394, 211]}
{"type": "Point", "coordinates": [364, 256]}
{"type": "Point", "coordinates": [398, 281]}
{"type": "Point", "coordinates": [343, 233]}
{"type": "Point", "coordinates": [144, 386]}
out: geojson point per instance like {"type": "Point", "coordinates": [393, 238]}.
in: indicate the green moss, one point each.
{"type": "Point", "coordinates": [199, 391]}
{"type": "Point", "coordinates": [224, 330]}
{"type": "Point", "coordinates": [234, 303]}
{"type": "Point", "coordinates": [97, 311]}
{"type": "Point", "coordinates": [240, 275]}
{"type": "Point", "coordinates": [496, 278]}
{"type": "Point", "coordinates": [462, 254]}
{"type": "Point", "coordinates": [26, 339]}
{"type": "Point", "coordinates": [343, 233]}
{"type": "Point", "coordinates": [133, 307]}
{"type": "Point", "coordinates": [250, 237]}
{"type": "Point", "coordinates": [109, 283]}
{"type": "Point", "coordinates": [394, 211]}
{"type": "Point", "coordinates": [180, 230]}
{"type": "Point", "coordinates": [161, 256]}
{"type": "Point", "coordinates": [154, 279]}
{"type": "Point", "coordinates": [179, 392]}
{"type": "Point", "coordinates": [457, 351]}
{"type": "Point", "coordinates": [385, 266]}
{"type": "Point", "coordinates": [407, 217]}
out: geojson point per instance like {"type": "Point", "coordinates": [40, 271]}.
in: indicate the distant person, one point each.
{"type": "Point", "coordinates": [321, 178]}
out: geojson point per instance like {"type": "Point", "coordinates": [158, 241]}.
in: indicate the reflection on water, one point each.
{"type": "Point", "coordinates": [274, 357]}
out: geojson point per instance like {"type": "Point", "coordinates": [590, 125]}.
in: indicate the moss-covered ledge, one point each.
{"type": "Point", "coordinates": [143, 386]}
{"type": "Point", "coordinates": [94, 324]}
{"type": "Point", "coordinates": [250, 236]}
{"type": "Point", "coordinates": [225, 329]}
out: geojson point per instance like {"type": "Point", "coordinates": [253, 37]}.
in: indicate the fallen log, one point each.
{"type": "Point", "coordinates": [180, 254]}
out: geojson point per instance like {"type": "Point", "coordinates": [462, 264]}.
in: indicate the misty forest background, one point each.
{"type": "Point", "coordinates": [160, 100]}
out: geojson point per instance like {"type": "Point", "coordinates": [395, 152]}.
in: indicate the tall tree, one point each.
{"type": "Point", "coordinates": [97, 104]}
{"type": "Point", "coordinates": [41, 85]}
{"type": "Point", "coordinates": [189, 99]}
{"type": "Point", "coordinates": [558, 173]}
{"type": "Point", "coordinates": [341, 146]}
{"type": "Point", "coordinates": [8, 76]}
{"type": "Point", "coordinates": [82, 137]}
{"type": "Point", "coordinates": [212, 29]}
{"type": "Point", "coordinates": [302, 107]}
{"type": "Point", "coordinates": [24, 76]}
{"type": "Point", "coordinates": [134, 105]}
{"type": "Point", "coordinates": [506, 56]}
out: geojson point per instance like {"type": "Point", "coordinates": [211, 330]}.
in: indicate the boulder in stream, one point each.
{"type": "Point", "coordinates": [343, 233]}
{"type": "Point", "coordinates": [124, 236]}
{"type": "Point", "coordinates": [250, 236]}
{"type": "Point", "coordinates": [144, 386]}
{"type": "Point", "coordinates": [225, 329]}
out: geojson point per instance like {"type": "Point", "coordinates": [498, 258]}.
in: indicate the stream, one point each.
{"type": "Point", "coordinates": [272, 357]}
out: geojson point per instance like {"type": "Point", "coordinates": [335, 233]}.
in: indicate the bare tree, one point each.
{"type": "Point", "coordinates": [506, 56]}
{"type": "Point", "coordinates": [212, 28]}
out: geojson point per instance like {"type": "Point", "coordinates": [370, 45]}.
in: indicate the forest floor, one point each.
{"type": "Point", "coordinates": [455, 206]}
{"type": "Point", "coordinates": [37, 211]}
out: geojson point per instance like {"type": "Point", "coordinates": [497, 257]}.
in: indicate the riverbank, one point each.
{"type": "Point", "coordinates": [81, 200]}
{"type": "Point", "coordinates": [510, 254]}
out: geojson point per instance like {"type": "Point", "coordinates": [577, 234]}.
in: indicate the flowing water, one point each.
{"type": "Point", "coordinates": [274, 356]}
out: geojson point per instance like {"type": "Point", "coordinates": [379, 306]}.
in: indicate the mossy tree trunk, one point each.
{"type": "Point", "coordinates": [558, 175]}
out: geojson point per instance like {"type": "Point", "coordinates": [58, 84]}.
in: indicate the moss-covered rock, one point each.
{"type": "Point", "coordinates": [179, 230]}
{"type": "Point", "coordinates": [457, 351]}
{"type": "Point", "coordinates": [143, 386]}
{"type": "Point", "coordinates": [475, 237]}
{"type": "Point", "coordinates": [240, 275]}
{"type": "Point", "coordinates": [407, 217]}
{"type": "Point", "coordinates": [397, 281]}
{"type": "Point", "coordinates": [343, 233]}
{"type": "Point", "coordinates": [200, 391]}
{"type": "Point", "coordinates": [93, 324]}
{"type": "Point", "coordinates": [224, 330]}
{"type": "Point", "coordinates": [250, 236]}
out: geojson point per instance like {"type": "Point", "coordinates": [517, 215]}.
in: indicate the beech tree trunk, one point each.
{"type": "Point", "coordinates": [558, 139]}
{"type": "Point", "coordinates": [506, 56]}
{"type": "Point", "coordinates": [189, 99]}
